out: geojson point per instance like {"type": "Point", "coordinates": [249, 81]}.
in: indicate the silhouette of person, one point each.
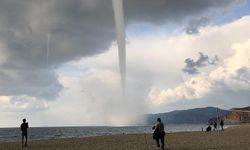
{"type": "Point", "coordinates": [208, 129]}
{"type": "Point", "coordinates": [215, 126]}
{"type": "Point", "coordinates": [222, 124]}
{"type": "Point", "coordinates": [159, 133]}
{"type": "Point", "coordinates": [24, 128]}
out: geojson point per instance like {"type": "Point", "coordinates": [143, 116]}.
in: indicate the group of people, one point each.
{"type": "Point", "coordinates": [159, 133]}
{"type": "Point", "coordinates": [209, 128]}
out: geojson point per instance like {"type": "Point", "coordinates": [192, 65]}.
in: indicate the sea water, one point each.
{"type": "Point", "coordinates": [39, 133]}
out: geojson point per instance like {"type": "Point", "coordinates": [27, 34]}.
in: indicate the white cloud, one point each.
{"type": "Point", "coordinates": [5, 99]}
{"type": "Point", "coordinates": [236, 70]}
{"type": "Point", "coordinates": [194, 88]}
{"type": "Point", "coordinates": [22, 103]}
{"type": "Point", "coordinates": [233, 73]}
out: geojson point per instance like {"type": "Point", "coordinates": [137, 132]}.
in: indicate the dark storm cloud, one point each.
{"type": "Point", "coordinates": [159, 11]}
{"type": "Point", "coordinates": [76, 31]}
{"type": "Point", "coordinates": [36, 83]}
{"type": "Point", "coordinates": [192, 66]}
{"type": "Point", "coordinates": [194, 25]}
{"type": "Point", "coordinates": [78, 28]}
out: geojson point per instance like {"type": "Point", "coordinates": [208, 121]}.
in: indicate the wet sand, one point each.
{"type": "Point", "coordinates": [235, 138]}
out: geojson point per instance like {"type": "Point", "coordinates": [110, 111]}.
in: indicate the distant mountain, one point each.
{"type": "Point", "coordinates": [190, 116]}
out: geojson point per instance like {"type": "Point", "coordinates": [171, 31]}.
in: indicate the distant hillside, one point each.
{"type": "Point", "coordinates": [190, 116]}
{"type": "Point", "coordinates": [237, 115]}
{"type": "Point", "coordinates": [243, 109]}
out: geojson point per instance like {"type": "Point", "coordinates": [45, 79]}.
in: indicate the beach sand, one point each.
{"type": "Point", "coordinates": [234, 138]}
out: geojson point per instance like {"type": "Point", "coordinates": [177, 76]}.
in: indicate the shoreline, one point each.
{"type": "Point", "coordinates": [46, 133]}
{"type": "Point", "coordinates": [236, 137]}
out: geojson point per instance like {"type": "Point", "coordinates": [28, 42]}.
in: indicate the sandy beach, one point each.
{"type": "Point", "coordinates": [234, 138]}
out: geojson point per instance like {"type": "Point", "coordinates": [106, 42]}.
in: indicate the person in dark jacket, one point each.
{"type": "Point", "coordinates": [215, 126]}
{"type": "Point", "coordinates": [159, 133]}
{"type": "Point", "coordinates": [209, 128]}
{"type": "Point", "coordinates": [222, 124]}
{"type": "Point", "coordinates": [24, 129]}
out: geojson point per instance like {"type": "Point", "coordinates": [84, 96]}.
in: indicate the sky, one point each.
{"type": "Point", "coordinates": [59, 60]}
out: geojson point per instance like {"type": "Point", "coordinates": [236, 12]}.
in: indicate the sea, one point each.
{"type": "Point", "coordinates": [40, 133]}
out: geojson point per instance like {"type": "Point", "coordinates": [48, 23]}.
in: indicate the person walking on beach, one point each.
{"type": "Point", "coordinates": [222, 124]}
{"type": "Point", "coordinates": [24, 129]}
{"type": "Point", "coordinates": [215, 126]}
{"type": "Point", "coordinates": [159, 133]}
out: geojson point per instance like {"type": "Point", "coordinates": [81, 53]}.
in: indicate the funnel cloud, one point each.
{"type": "Point", "coordinates": [120, 33]}
{"type": "Point", "coordinates": [48, 49]}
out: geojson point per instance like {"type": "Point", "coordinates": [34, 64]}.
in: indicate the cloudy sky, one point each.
{"type": "Point", "coordinates": [59, 59]}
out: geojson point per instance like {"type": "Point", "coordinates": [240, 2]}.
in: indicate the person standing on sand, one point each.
{"type": "Point", "coordinates": [222, 124]}
{"type": "Point", "coordinates": [24, 128]}
{"type": "Point", "coordinates": [215, 126]}
{"type": "Point", "coordinates": [159, 133]}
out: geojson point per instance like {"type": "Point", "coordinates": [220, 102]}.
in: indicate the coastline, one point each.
{"type": "Point", "coordinates": [46, 133]}
{"type": "Point", "coordinates": [232, 138]}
